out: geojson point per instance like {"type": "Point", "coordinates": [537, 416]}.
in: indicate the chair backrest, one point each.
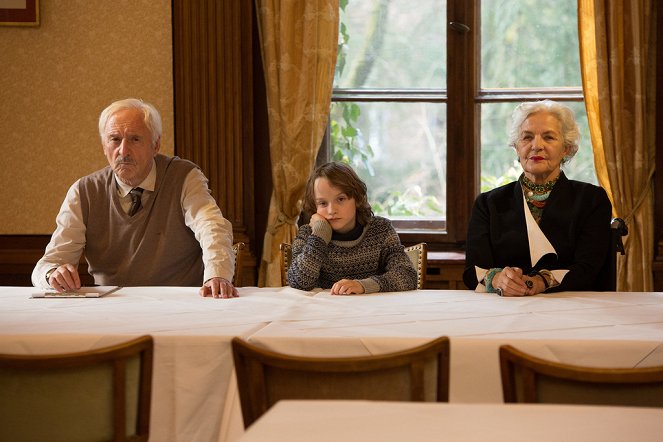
{"type": "Point", "coordinates": [418, 254]}
{"type": "Point", "coordinates": [265, 377]}
{"type": "Point", "coordinates": [237, 275]}
{"type": "Point", "coordinates": [285, 257]}
{"type": "Point", "coordinates": [101, 394]}
{"type": "Point", "coordinates": [617, 230]}
{"type": "Point", "coordinates": [526, 378]}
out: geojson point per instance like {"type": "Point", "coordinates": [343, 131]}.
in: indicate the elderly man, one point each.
{"type": "Point", "coordinates": [146, 219]}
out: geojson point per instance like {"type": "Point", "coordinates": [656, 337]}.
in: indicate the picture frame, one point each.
{"type": "Point", "coordinates": [19, 12]}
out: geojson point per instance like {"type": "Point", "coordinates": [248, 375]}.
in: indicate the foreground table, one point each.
{"type": "Point", "coordinates": [322, 421]}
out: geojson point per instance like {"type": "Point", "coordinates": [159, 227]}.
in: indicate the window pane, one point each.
{"type": "Point", "coordinates": [529, 43]}
{"type": "Point", "coordinates": [393, 44]}
{"type": "Point", "coordinates": [499, 164]}
{"type": "Point", "coordinates": [399, 150]}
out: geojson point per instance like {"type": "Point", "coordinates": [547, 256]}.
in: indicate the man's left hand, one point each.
{"type": "Point", "coordinates": [218, 288]}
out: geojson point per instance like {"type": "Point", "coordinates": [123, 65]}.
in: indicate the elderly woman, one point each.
{"type": "Point", "coordinates": [543, 233]}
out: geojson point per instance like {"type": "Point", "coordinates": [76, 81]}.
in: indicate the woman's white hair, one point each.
{"type": "Point", "coordinates": [564, 115]}
{"type": "Point", "coordinates": [151, 116]}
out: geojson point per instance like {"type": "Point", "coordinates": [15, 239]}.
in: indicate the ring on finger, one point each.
{"type": "Point", "coordinates": [529, 283]}
{"type": "Point", "coordinates": [499, 291]}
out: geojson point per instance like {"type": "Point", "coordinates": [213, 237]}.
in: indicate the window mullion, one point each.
{"type": "Point", "coordinates": [462, 115]}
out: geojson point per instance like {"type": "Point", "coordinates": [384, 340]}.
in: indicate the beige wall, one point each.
{"type": "Point", "coordinates": [55, 80]}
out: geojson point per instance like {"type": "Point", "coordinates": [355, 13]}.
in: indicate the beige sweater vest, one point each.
{"type": "Point", "coordinates": [153, 247]}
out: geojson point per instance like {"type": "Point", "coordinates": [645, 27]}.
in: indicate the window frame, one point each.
{"type": "Point", "coordinates": [463, 98]}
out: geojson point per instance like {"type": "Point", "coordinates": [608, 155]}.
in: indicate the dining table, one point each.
{"type": "Point", "coordinates": [194, 392]}
{"type": "Point", "coordinates": [318, 420]}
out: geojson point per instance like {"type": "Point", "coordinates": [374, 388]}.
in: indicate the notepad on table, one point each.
{"type": "Point", "coordinates": [83, 292]}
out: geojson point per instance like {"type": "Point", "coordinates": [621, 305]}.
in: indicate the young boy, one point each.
{"type": "Point", "coordinates": [345, 247]}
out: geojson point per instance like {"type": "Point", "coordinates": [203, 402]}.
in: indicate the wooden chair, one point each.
{"type": "Point", "coordinates": [526, 378]}
{"type": "Point", "coordinates": [285, 258]}
{"type": "Point", "coordinates": [101, 394]}
{"type": "Point", "coordinates": [418, 254]}
{"type": "Point", "coordinates": [265, 377]}
{"type": "Point", "coordinates": [617, 230]}
{"type": "Point", "coordinates": [237, 275]}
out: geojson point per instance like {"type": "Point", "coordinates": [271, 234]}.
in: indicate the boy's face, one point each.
{"type": "Point", "coordinates": [335, 206]}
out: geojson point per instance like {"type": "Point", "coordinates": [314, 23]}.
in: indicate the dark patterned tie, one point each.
{"type": "Point", "coordinates": [135, 195]}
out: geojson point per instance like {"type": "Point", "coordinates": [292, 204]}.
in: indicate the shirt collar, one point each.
{"type": "Point", "coordinates": [147, 184]}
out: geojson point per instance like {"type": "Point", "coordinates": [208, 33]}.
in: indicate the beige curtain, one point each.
{"type": "Point", "coordinates": [617, 56]}
{"type": "Point", "coordinates": [299, 40]}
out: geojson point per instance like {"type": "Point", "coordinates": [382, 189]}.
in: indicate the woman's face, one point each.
{"type": "Point", "coordinates": [335, 206]}
{"type": "Point", "coordinates": [540, 147]}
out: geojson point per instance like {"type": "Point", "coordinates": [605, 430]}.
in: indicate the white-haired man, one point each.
{"type": "Point", "coordinates": [145, 219]}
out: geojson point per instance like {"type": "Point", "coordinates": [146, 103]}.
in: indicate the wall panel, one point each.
{"type": "Point", "coordinates": [213, 78]}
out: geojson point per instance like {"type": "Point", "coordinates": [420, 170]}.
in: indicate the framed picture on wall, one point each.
{"type": "Point", "coordinates": [19, 12]}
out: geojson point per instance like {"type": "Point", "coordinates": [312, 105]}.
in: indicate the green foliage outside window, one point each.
{"type": "Point", "coordinates": [347, 142]}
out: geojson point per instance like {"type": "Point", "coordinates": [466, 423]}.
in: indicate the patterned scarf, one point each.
{"type": "Point", "coordinates": [536, 195]}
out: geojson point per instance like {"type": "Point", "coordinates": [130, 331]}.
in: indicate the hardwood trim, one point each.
{"type": "Point", "coordinates": [20, 253]}
{"type": "Point", "coordinates": [444, 270]}
{"type": "Point", "coordinates": [213, 89]}
{"type": "Point", "coordinates": [462, 117]}
{"type": "Point", "coordinates": [18, 256]}
{"type": "Point", "coordinates": [657, 266]}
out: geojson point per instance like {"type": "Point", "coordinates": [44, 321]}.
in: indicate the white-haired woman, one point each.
{"type": "Point", "coordinates": [544, 232]}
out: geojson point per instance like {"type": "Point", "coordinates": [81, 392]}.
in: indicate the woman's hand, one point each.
{"type": "Point", "coordinates": [347, 287]}
{"type": "Point", "coordinates": [512, 282]}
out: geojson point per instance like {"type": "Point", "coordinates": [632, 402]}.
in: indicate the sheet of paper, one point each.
{"type": "Point", "coordinates": [83, 292]}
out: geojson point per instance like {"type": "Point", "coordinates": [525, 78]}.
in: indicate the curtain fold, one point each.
{"type": "Point", "coordinates": [617, 57]}
{"type": "Point", "coordinates": [299, 42]}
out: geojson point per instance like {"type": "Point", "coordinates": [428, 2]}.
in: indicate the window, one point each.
{"type": "Point", "coordinates": [529, 50]}
{"type": "Point", "coordinates": [423, 95]}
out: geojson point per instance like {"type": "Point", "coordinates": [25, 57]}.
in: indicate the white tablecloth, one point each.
{"type": "Point", "coordinates": [349, 421]}
{"type": "Point", "coordinates": [192, 400]}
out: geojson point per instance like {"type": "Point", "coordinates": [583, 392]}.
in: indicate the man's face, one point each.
{"type": "Point", "coordinates": [128, 146]}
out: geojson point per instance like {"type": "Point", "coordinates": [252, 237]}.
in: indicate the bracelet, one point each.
{"type": "Point", "coordinates": [545, 281]}
{"type": "Point", "coordinates": [543, 277]}
{"type": "Point", "coordinates": [488, 279]}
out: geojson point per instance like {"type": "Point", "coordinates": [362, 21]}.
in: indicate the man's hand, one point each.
{"type": "Point", "coordinates": [347, 287]}
{"type": "Point", "coordinates": [218, 288]}
{"type": "Point", "coordinates": [65, 278]}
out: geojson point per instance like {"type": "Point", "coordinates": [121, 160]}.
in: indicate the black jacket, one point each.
{"type": "Point", "coordinates": [576, 221]}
